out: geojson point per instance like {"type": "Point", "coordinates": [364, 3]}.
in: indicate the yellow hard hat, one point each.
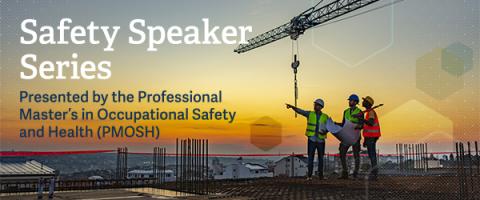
{"type": "Point", "coordinates": [369, 99]}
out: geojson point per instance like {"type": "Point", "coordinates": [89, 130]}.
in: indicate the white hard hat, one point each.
{"type": "Point", "coordinates": [320, 102]}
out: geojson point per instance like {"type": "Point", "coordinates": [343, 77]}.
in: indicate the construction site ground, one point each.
{"type": "Point", "coordinates": [386, 187]}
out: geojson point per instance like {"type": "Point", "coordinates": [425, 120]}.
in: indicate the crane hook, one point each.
{"type": "Point", "coordinates": [295, 65]}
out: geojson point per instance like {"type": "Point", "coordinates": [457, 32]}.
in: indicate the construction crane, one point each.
{"type": "Point", "coordinates": [311, 17]}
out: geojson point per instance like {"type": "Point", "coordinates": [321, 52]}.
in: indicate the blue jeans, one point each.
{"type": "Point", "coordinates": [312, 147]}
{"type": "Point", "coordinates": [371, 144]}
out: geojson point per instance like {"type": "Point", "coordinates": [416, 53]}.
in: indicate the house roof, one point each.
{"type": "Point", "coordinates": [139, 171]}
{"type": "Point", "coordinates": [95, 178]}
{"type": "Point", "coordinates": [254, 166]}
{"type": "Point", "coordinates": [32, 168]}
{"type": "Point", "coordinates": [301, 157]}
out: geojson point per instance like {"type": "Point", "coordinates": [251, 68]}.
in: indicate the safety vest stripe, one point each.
{"type": "Point", "coordinates": [374, 130]}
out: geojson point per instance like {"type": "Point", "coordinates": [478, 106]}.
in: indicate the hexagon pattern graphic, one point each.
{"type": "Point", "coordinates": [431, 77]}
{"type": "Point", "coordinates": [373, 42]}
{"type": "Point", "coordinates": [457, 59]}
{"type": "Point", "coordinates": [265, 133]}
{"type": "Point", "coordinates": [414, 122]}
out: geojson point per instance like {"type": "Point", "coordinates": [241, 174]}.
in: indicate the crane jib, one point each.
{"type": "Point", "coordinates": [308, 19]}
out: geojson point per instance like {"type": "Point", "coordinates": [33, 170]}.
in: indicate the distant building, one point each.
{"type": "Point", "coordinates": [291, 166]}
{"type": "Point", "coordinates": [434, 163]}
{"type": "Point", "coordinates": [217, 167]}
{"type": "Point", "coordinates": [383, 159]}
{"type": "Point", "coordinates": [22, 174]}
{"type": "Point", "coordinates": [95, 178]}
{"type": "Point", "coordinates": [21, 170]}
{"type": "Point", "coordinates": [145, 174]}
{"type": "Point", "coordinates": [241, 170]}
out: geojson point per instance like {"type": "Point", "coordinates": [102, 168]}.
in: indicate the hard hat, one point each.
{"type": "Point", "coordinates": [319, 102]}
{"type": "Point", "coordinates": [368, 99]}
{"type": "Point", "coordinates": [354, 97]}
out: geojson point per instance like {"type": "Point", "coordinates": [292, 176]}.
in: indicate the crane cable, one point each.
{"type": "Point", "coordinates": [295, 65]}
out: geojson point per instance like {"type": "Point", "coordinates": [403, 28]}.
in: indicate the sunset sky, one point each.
{"type": "Point", "coordinates": [373, 54]}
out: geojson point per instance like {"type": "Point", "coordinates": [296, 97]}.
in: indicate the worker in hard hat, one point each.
{"type": "Point", "coordinates": [352, 114]}
{"type": "Point", "coordinates": [316, 133]}
{"type": "Point", "coordinates": [371, 133]}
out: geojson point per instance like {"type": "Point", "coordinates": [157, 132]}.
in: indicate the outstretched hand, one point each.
{"type": "Point", "coordinates": [289, 106]}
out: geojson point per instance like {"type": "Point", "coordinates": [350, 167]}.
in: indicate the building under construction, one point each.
{"type": "Point", "coordinates": [411, 178]}
{"type": "Point", "coordinates": [413, 174]}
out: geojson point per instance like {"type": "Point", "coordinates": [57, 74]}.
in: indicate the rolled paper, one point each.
{"type": "Point", "coordinates": [347, 134]}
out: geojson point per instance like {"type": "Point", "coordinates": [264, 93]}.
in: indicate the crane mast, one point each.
{"type": "Point", "coordinates": [308, 19]}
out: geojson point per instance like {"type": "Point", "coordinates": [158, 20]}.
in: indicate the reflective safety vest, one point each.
{"type": "Point", "coordinates": [312, 124]}
{"type": "Point", "coordinates": [348, 113]}
{"type": "Point", "coordinates": [371, 131]}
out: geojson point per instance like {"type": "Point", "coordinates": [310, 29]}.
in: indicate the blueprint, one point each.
{"type": "Point", "coordinates": [347, 134]}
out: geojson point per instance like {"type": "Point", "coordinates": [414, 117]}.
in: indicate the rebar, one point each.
{"type": "Point", "coordinates": [457, 161]}
{"type": "Point", "coordinates": [192, 165]}
{"type": "Point", "coordinates": [122, 166]}
{"type": "Point", "coordinates": [176, 164]}
{"type": "Point", "coordinates": [478, 165]}
{"type": "Point", "coordinates": [398, 156]}
{"type": "Point", "coordinates": [470, 165]}
{"type": "Point", "coordinates": [426, 154]}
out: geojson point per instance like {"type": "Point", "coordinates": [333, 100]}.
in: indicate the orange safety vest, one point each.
{"type": "Point", "coordinates": [371, 131]}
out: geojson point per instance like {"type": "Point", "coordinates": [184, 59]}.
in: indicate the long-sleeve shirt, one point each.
{"type": "Point", "coordinates": [317, 128]}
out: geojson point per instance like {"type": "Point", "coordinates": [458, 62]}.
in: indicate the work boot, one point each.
{"type": "Point", "coordinates": [321, 177]}
{"type": "Point", "coordinates": [344, 175]}
{"type": "Point", "coordinates": [355, 174]}
{"type": "Point", "coordinates": [372, 178]}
